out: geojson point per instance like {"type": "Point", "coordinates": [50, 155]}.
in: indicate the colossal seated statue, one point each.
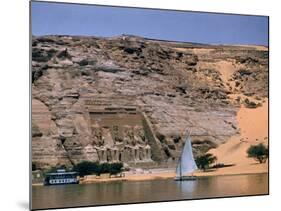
{"type": "Point", "coordinates": [128, 135]}
{"type": "Point", "coordinates": [148, 152]}
{"type": "Point", "coordinates": [139, 136]}
{"type": "Point", "coordinates": [130, 147]}
{"type": "Point", "coordinates": [108, 140]}
{"type": "Point", "coordinates": [102, 154]}
{"type": "Point", "coordinates": [98, 138]}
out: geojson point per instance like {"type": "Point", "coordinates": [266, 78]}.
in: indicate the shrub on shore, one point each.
{"type": "Point", "coordinates": [34, 167]}
{"type": "Point", "coordinates": [258, 152]}
{"type": "Point", "coordinates": [204, 161]}
{"type": "Point", "coordinates": [88, 168]}
{"type": "Point", "coordinates": [85, 168]}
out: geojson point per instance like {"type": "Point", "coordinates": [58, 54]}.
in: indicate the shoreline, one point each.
{"type": "Point", "coordinates": [90, 179]}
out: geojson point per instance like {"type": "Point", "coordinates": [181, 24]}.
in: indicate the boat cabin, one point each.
{"type": "Point", "coordinates": [61, 177]}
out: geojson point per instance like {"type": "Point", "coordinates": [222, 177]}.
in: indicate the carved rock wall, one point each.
{"type": "Point", "coordinates": [176, 86]}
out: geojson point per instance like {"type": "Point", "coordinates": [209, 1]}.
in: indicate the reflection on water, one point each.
{"type": "Point", "coordinates": [145, 191]}
{"type": "Point", "coordinates": [187, 187]}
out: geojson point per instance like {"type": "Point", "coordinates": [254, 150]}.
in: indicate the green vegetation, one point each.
{"type": "Point", "coordinates": [204, 161]}
{"type": "Point", "coordinates": [258, 152]}
{"type": "Point", "coordinates": [87, 168]}
{"type": "Point", "coordinates": [222, 165]}
{"type": "Point", "coordinates": [34, 167]}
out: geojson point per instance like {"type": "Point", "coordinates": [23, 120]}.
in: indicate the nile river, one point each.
{"type": "Point", "coordinates": [146, 191]}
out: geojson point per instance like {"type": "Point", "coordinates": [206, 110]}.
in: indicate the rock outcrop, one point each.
{"type": "Point", "coordinates": [78, 82]}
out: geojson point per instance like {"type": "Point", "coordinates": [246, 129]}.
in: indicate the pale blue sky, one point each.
{"type": "Point", "coordinates": [75, 19]}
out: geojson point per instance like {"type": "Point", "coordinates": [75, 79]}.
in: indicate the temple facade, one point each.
{"type": "Point", "coordinates": [119, 135]}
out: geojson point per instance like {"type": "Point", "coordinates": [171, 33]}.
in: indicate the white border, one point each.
{"type": "Point", "coordinates": [15, 102]}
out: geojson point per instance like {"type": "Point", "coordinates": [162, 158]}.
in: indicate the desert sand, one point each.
{"type": "Point", "coordinates": [253, 124]}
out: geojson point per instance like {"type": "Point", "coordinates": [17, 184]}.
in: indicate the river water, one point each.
{"type": "Point", "coordinates": [147, 191]}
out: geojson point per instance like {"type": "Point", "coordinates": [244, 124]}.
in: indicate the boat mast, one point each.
{"type": "Point", "coordinates": [188, 134]}
{"type": "Point", "coordinates": [180, 160]}
{"type": "Point", "coordinates": [180, 168]}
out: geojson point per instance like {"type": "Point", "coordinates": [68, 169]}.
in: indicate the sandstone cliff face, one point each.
{"type": "Point", "coordinates": [169, 87]}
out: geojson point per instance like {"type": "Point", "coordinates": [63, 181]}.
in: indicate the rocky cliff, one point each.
{"type": "Point", "coordinates": [131, 99]}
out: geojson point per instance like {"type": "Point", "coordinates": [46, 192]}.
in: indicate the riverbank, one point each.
{"type": "Point", "coordinates": [254, 168]}
{"type": "Point", "coordinates": [162, 174]}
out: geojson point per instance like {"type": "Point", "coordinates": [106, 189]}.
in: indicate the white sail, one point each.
{"type": "Point", "coordinates": [186, 164]}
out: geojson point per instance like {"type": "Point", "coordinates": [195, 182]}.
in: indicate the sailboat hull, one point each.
{"type": "Point", "coordinates": [184, 178]}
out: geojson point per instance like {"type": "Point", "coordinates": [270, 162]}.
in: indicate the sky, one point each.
{"type": "Point", "coordinates": [91, 20]}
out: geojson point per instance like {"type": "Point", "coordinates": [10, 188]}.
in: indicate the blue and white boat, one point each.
{"type": "Point", "coordinates": [61, 177]}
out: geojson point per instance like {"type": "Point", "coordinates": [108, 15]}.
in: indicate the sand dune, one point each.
{"type": "Point", "coordinates": [253, 124]}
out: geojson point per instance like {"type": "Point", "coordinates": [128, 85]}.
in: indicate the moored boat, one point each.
{"type": "Point", "coordinates": [61, 177]}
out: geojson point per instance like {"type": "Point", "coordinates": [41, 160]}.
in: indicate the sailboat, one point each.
{"type": "Point", "coordinates": [186, 165]}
